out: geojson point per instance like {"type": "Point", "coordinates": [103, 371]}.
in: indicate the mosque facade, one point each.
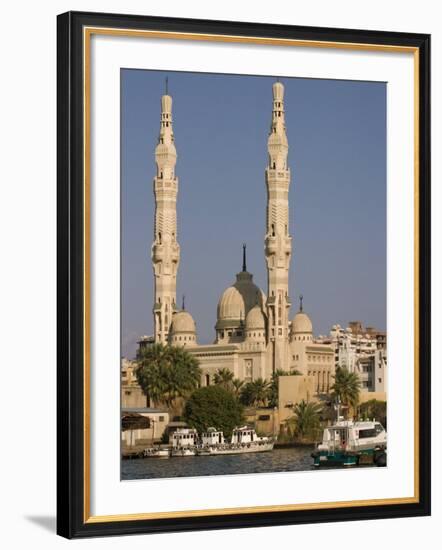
{"type": "Point", "coordinates": [254, 336]}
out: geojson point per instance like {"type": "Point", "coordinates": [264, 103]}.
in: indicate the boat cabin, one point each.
{"type": "Point", "coordinates": [353, 434]}
{"type": "Point", "coordinates": [184, 437]}
{"type": "Point", "coordinates": [212, 437]}
{"type": "Point", "coordinates": [244, 435]}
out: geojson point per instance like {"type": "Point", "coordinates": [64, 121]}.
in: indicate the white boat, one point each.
{"type": "Point", "coordinates": [350, 443]}
{"type": "Point", "coordinates": [243, 440]}
{"type": "Point", "coordinates": [183, 442]}
{"type": "Point", "coordinates": [156, 452]}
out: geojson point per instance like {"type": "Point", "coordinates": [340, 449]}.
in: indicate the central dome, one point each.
{"type": "Point", "coordinates": [237, 300]}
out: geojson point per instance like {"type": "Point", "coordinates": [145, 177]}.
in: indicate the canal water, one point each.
{"type": "Point", "coordinates": [279, 460]}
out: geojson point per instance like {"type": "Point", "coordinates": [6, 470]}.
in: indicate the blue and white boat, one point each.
{"type": "Point", "coordinates": [349, 443]}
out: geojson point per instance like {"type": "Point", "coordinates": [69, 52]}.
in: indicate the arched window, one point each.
{"type": "Point", "coordinates": [160, 237]}
{"type": "Point", "coordinates": [207, 379]}
{"type": "Point", "coordinates": [273, 229]}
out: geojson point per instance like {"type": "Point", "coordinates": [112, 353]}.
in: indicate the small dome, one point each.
{"type": "Point", "coordinates": [237, 300]}
{"type": "Point", "coordinates": [182, 322]}
{"type": "Point", "coordinates": [301, 323]}
{"type": "Point", "coordinates": [255, 319]}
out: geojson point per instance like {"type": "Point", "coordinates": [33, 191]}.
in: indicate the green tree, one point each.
{"type": "Point", "coordinates": [255, 393]}
{"type": "Point", "coordinates": [306, 421]}
{"type": "Point", "coordinates": [213, 406]}
{"type": "Point", "coordinates": [374, 409]}
{"type": "Point", "coordinates": [224, 378]}
{"type": "Point", "coordinates": [165, 373]}
{"type": "Point", "coordinates": [346, 388]}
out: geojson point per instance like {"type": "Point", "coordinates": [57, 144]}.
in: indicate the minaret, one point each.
{"type": "Point", "coordinates": [278, 243]}
{"type": "Point", "coordinates": [165, 248]}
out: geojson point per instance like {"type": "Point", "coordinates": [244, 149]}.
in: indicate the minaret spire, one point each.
{"type": "Point", "coordinates": [301, 297]}
{"type": "Point", "coordinates": [184, 302]}
{"type": "Point", "coordinates": [165, 248]}
{"type": "Point", "coordinates": [244, 260]}
{"type": "Point", "coordinates": [278, 242]}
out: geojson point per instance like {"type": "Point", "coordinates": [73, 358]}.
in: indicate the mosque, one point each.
{"type": "Point", "coordinates": [254, 334]}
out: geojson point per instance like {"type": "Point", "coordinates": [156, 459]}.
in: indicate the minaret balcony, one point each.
{"type": "Point", "coordinates": [165, 184]}
{"type": "Point", "coordinates": [278, 177]}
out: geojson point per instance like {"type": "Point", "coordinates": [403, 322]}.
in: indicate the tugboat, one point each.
{"type": "Point", "coordinates": [243, 440]}
{"type": "Point", "coordinates": [184, 442]}
{"type": "Point", "coordinates": [349, 443]}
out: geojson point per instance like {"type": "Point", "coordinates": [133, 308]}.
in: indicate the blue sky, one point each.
{"type": "Point", "coordinates": [337, 155]}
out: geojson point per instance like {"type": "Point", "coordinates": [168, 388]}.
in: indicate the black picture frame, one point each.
{"type": "Point", "coordinates": [72, 521]}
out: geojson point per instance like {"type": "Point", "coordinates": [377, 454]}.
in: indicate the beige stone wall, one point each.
{"type": "Point", "coordinates": [214, 357]}
{"type": "Point", "coordinates": [316, 360]}
{"type": "Point", "coordinates": [365, 396]}
{"type": "Point", "coordinates": [266, 421]}
{"type": "Point", "coordinates": [292, 390]}
{"type": "Point", "coordinates": [132, 397]}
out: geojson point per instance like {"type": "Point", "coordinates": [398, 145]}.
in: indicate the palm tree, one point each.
{"type": "Point", "coordinates": [166, 373]}
{"type": "Point", "coordinates": [151, 363]}
{"type": "Point", "coordinates": [224, 378]}
{"type": "Point", "coordinates": [306, 420]}
{"type": "Point", "coordinates": [237, 386]}
{"type": "Point", "coordinates": [346, 388]}
{"type": "Point", "coordinates": [255, 393]}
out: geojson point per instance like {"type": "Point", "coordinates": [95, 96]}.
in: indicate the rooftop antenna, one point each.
{"type": "Point", "coordinates": [244, 262]}
{"type": "Point", "coordinates": [301, 297]}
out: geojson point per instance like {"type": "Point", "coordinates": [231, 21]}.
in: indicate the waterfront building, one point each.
{"type": "Point", "coordinates": [151, 432]}
{"type": "Point", "coordinates": [363, 351]}
{"type": "Point", "coordinates": [132, 396]}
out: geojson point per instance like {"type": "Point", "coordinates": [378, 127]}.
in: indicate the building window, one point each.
{"type": "Point", "coordinates": [161, 419]}
{"type": "Point", "coordinates": [248, 370]}
{"type": "Point", "coordinates": [207, 379]}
